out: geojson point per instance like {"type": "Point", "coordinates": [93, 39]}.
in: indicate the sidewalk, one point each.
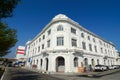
{"type": "Point", "coordinates": [89, 74]}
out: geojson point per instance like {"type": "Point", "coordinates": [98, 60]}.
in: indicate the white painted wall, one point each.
{"type": "Point", "coordinates": [67, 51]}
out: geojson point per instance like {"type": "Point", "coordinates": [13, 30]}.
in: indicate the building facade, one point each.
{"type": "Point", "coordinates": [20, 55]}
{"type": "Point", "coordinates": [64, 45]}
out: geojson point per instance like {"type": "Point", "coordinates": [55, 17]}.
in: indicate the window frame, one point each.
{"type": "Point", "coordinates": [48, 43]}
{"type": "Point", "coordinates": [60, 28]}
{"type": "Point", "coordinates": [90, 47]}
{"type": "Point", "coordinates": [82, 35]}
{"type": "Point", "coordinates": [43, 46]}
{"type": "Point", "coordinates": [73, 30]}
{"type": "Point", "coordinates": [43, 37]}
{"type": "Point", "coordinates": [84, 45]}
{"type": "Point", "coordinates": [60, 41]}
{"type": "Point", "coordinates": [49, 31]}
{"type": "Point", "coordinates": [74, 42]}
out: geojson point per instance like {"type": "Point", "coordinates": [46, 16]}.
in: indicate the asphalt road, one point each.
{"type": "Point", "coordinates": [23, 74]}
{"type": "Point", "coordinates": [107, 75]}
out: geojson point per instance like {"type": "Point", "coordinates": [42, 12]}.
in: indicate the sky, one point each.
{"type": "Point", "coordinates": [101, 17]}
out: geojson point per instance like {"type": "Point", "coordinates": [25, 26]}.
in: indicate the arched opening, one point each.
{"type": "Point", "coordinates": [41, 61]}
{"type": "Point", "coordinates": [93, 62]}
{"type": "Point", "coordinates": [86, 62]}
{"type": "Point", "coordinates": [60, 64]}
{"type": "Point", "coordinates": [104, 62]}
{"type": "Point", "coordinates": [75, 62]}
{"type": "Point", "coordinates": [98, 62]}
{"type": "Point", "coordinates": [46, 64]}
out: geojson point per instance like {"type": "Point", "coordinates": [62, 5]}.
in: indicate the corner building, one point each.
{"type": "Point", "coordinates": [64, 45]}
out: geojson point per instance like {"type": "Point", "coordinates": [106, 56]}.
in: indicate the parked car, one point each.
{"type": "Point", "coordinates": [111, 67]}
{"type": "Point", "coordinates": [100, 68]}
{"type": "Point", "coordinates": [116, 66]}
{"type": "Point", "coordinates": [15, 65]}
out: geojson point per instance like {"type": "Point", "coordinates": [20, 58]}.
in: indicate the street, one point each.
{"type": "Point", "coordinates": [23, 74]}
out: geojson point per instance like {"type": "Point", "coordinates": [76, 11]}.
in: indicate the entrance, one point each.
{"type": "Point", "coordinates": [60, 64]}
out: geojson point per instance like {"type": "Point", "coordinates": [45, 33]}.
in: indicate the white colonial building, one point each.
{"type": "Point", "coordinates": [64, 45]}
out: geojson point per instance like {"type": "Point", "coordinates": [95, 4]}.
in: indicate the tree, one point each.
{"type": "Point", "coordinates": [8, 39]}
{"type": "Point", "coordinates": [8, 36]}
{"type": "Point", "coordinates": [7, 7]}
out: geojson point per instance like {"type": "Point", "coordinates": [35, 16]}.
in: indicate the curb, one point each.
{"type": "Point", "coordinates": [3, 74]}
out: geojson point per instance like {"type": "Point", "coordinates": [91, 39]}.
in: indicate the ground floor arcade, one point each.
{"type": "Point", "coordinates": [66, 62]}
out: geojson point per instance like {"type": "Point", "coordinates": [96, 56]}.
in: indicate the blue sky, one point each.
{"type": "Point", "coordinates": [101, 17]}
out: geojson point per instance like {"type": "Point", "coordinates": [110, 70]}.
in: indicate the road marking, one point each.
{"type": "Point", "coordinates": [3, 75]}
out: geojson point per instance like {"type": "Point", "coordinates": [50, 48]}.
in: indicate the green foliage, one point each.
{"type": "Point", "coordinates": [7, 7]}
{"type": "Point", "coordinates": [8, 38]}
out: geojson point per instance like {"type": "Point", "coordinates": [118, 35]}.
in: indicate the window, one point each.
{"type": "Point", "coordinates": [105, 51]}
{"type": "Point", "coordinates": [39, 49]}
{"type": "Point", "coordinates": [104, 44]}
{"type": "Point", "coordinates": [108, 52]}
{"type": "Point", "coordinates": [93, 39]}
{"type": "Point", "coordinates": [84, 45]}
{"type": "Point", "coordinates": [88, 37]}
{"type": "Point", "coordinates": [90, 47]}
{"type": "Point", "coordinates": [92, 62]}
{"type": "Point", "coordinates": [82, 35]}
{"type": "Point", "coordinates": [41, 62]}
{"type": "Point", "coordinates": [100, 42]}
{"type": "Point", "coordinates": [86, 62]}
{"type": "Point", "coordinates": [37, 61]}
{"type": "Point", "coordinates": [95, 48]}
{"type": "Point", "coordinates": [43, 36]}
{"type": "Point", "coordinates": [101, 50]}
{"type": "Point", "coordinates": [49, 32]}
{"type": "Point", "coordinates": [75, 62]}
{"type": "Point", "coordinates": [73, 30]}
{"type": "Point", "coordinates": [60, 28]}
{"type": "Point", "coordinates": [39, 39]}
{"type": "Point", "coordinates": [60, 41]}
{"type": "Point", "coordinates": [42, 46]}
{"type": "Point", "coordinates": [74, 42]}
{"type": "Point", "coordinates": [48, 43]}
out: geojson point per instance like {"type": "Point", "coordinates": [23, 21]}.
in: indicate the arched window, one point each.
{"type": "Point", "coordinates": [41, 62]}
{"type": "Point", "coordinates": [75, 62]}
{"type": "Point", "coordinates": [93, 62]}
{"type": "Point", "coordinates": [37, 61]}
{"type": "Point", "coordinates": [86, 62]}
{"type": "Point", "coordinates": [60, 28]}
{"type": "Point", "coordinates": [82, 35]}
{"type": "Point", "coordinates": [46, 64]}
{"type": "Point", "coordinates": [97, 61]}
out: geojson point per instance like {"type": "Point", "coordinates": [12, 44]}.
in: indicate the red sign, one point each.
{"type": "Point", "coordinates": [20, 51]}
